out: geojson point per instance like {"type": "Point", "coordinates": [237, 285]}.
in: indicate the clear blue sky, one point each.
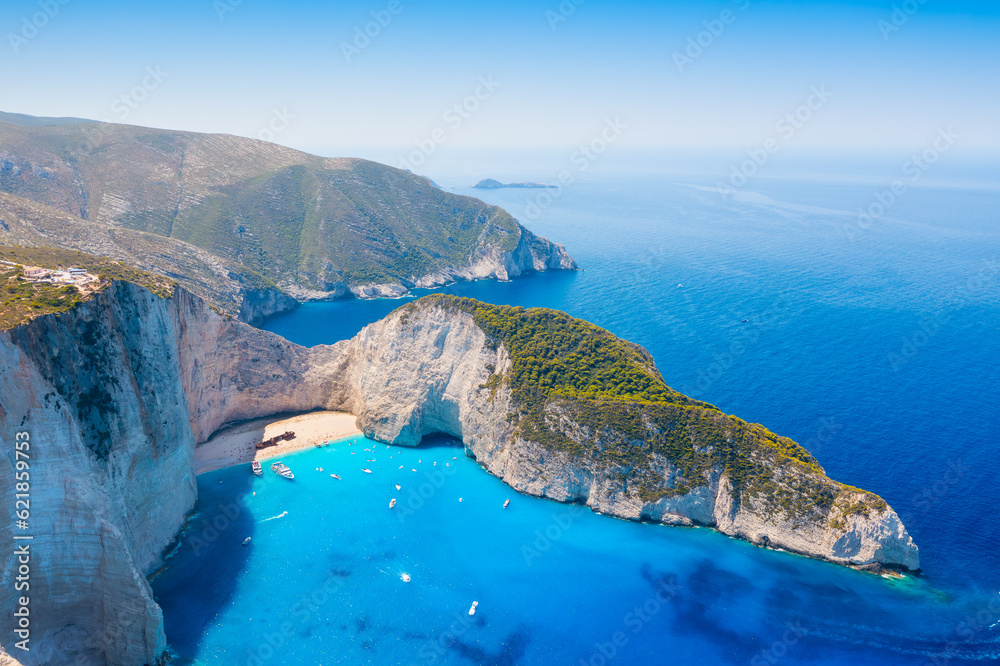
{"type": "Point", "coordinates": [891, 89]}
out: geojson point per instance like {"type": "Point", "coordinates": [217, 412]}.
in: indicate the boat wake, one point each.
{"type": "Point", "coordinates": [280, 515]}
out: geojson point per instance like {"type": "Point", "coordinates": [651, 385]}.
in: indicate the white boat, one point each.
{"type": "Point", "coordinates": [392, 502]}
{"type": "Point", "coordinates": [256, 467]}
{"type": "Point", "coordinates": [366, 470]}
{"type": "Point", "coordinates": [281, 469]}
{"type": "Point", "coordinates": [246, 541]}
{"type": "Point", "coordinates": [506, 503]}
{"type": "Point", "coordinates": [397, 486]}
{"type": "Point", "coordinates": [472, 610]}
{"type": "Point", "coordinates": [336, 476]}
{"type": "Point", "coordinates": [404, 577]}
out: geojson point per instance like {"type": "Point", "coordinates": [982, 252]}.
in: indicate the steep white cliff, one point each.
{"type": "Point", "coordinates": [426, 370]}
{"type": "Point", "coordinates": [117, 392]}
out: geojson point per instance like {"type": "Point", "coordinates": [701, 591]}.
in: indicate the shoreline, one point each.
{"type": "Point", "coordinates": [236, 444]}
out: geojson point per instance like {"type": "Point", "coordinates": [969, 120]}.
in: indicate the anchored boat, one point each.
{"type": "Point", "coordinates": [256, 467]}
{"type": "Point", "coordinates": [281, 469]}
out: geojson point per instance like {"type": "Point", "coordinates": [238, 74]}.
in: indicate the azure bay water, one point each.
{"type": "Point", "coordinates": [874, 345]}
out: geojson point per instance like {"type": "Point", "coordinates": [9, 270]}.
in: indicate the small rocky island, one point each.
{"type": "Point", "coordinates": [491, 184]}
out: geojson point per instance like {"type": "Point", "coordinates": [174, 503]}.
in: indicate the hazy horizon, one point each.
{"type": "Point", "coordinates": [433, 79]}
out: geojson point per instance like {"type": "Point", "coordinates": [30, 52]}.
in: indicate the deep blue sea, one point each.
{"type": "Point", "coordinates": [872, 342]}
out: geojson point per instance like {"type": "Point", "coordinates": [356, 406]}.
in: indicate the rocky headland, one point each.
{"type": "Point", "coordinates": [117, 392]}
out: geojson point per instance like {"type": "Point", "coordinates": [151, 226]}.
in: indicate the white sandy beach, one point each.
{"type": "Point", "coordinates": [237, 444]}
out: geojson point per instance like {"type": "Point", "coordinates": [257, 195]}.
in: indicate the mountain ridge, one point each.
{"type": "Point", "coordinates": [314, 227]}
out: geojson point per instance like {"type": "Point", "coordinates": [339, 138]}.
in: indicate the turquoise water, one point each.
{"type": "Point", "coordinates": [676, 269]}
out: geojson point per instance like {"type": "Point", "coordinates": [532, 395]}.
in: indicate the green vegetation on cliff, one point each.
{"type": "Point", "coordinates": [287, 216]}
{"type": "Point", "coordinates": [21, 301]}
{"type": "Point", "coordinates": [582, 390]}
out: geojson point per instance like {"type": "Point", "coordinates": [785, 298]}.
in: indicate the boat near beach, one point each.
{"type": "Point", "coordinates": [281, 469]}
{"type": "Point", "coordinates": [255, 465]}
{"type": "Point", "coordinates": [366, 470]}
{"type": "Point", "coordinates": [506, 503]}
{"type": "Point", "coordinates": [336, 476]}
{"type": "Point", "coordinates": [246, 541]}
{"type": "Point", "coordinates": [392, 502]}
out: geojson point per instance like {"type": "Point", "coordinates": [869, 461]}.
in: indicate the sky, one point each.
{"type": "Point", "coordinates": [408, 82]}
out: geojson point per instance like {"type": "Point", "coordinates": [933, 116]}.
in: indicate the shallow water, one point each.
{"type": "Point", "coordinates": [676, 269]}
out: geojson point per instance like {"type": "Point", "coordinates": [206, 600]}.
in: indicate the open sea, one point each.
{"type": "Point", "coordinates": [873, 342]}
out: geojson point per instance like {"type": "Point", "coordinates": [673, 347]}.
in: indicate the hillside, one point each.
{"type": "Point", "coordinates": [317, 227]}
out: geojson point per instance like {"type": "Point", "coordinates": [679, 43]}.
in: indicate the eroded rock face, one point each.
{"type": "Point", "coordinates": [424, 371]}
{"type": "Point", "coordinates": [117, 393]}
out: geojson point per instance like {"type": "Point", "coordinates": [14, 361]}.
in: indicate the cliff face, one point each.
{"type": "Point", "coordinates": [114, 395]}
{"type": "Point", "coordinates": [438, 371]}
{"type": "Point", "coordinates": [117, 392]}
{"type": "Point", "coordinates": [99, 392]}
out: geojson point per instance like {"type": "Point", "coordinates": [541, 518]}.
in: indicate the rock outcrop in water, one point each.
{"type": "Point", "coordinates": [117, 392]}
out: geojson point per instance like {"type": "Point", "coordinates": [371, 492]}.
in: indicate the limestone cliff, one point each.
{"type": "Point", "coordinates": [431, 367]}
{"type": "Point", "coordinates": [117, 392]}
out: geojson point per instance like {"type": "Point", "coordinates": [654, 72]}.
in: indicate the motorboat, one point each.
{"type": "Point", "coordinates": [366, 470]}
{"type": "Point", "coordinates": [255, 465]}
{"type": "Point", "coordinates": [392, 502]}
{"type": "Point", "coordinates": [506, 503]}
{"type": "Point", "coordinates": [246, 541]}
{"type": "Point", "coordinates": [281, 469]}
{"type": "Point", "coordinates": [336, 476]}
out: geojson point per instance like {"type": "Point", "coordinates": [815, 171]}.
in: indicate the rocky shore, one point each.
{"type": "Point", "coordinates": [117, 393]}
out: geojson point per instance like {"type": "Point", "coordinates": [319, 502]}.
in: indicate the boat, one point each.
{"type": "Point", "coordinates": [392, 502]}
{"type": "Point", "coordinates": [246, 541]}
{"type": "Point", "coordinates": [472, 609]}
{"type": "Point", "coordinates": [369, 460]}
{"type": "Point", "coordinates": [281, 469]}
{"type": "Point", "coordinates": [366, 470]}
{"type": "Point", "coordinates": [506, 503]}
{"type": "Point", "coordinates": [336, 476]}
{"type": "Point", "coordinates": [405, 577]}
{"type": "Point", "coordinates": [397, 486]}
{"type": "Point", "coordinates": [256, 467]}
